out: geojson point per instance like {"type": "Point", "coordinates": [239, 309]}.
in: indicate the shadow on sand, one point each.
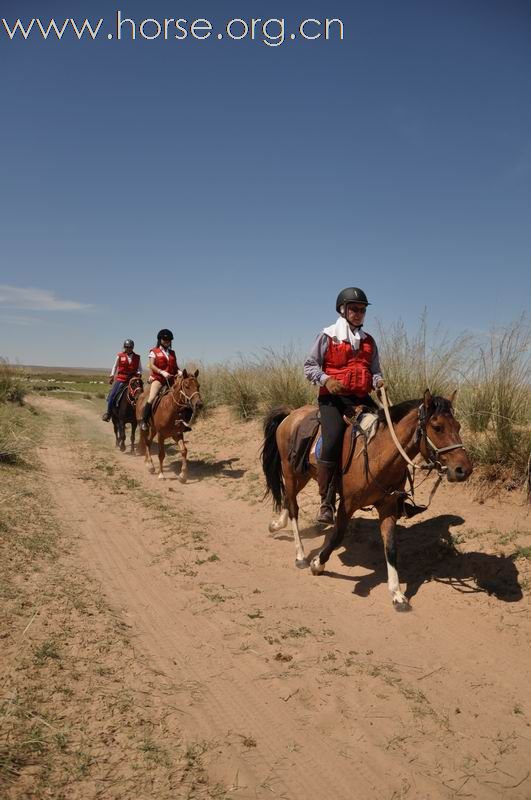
{"type": "Point", "coordinates": [426, 552]}
{"type": "Point", "coordinates": [199, 470]}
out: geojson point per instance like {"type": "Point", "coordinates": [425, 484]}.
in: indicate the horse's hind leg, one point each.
{"type": "Point", "coordinates": [162, 455]}
{"type": "Point", "coordinates": [279, 523]}
{"type": "Point", "coordinates": [293, 487]}
{"type": "Point", "coordinates": [146, 439]}
{"type": "Point", "coordinates": [388, 516]}
{"type": "Point", "coordinates": [133, 433]}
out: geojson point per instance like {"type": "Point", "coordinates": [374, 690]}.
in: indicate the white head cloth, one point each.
{"type": "Point", "coordinates": [342, 331]}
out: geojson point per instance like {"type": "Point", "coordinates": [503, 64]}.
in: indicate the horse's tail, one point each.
{"type": "Point", "coordinates": [270, 456]}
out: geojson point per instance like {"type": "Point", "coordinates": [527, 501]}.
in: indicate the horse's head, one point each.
{"type": "Point", "coordinates": [135, 388]}
{"type": "Point", "coordinates": [440, 442]}
{"type": "Point", "coordinates": [187, 391]}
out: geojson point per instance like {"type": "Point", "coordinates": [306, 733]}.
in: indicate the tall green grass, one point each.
{"type": "Point", "coordinates": [412, 363]}
{"type": "Point", "coordinates": [12, 389]}
{"type": "Point", "coordinates": [496, 400]}
{"type": "Point", "coordinates": [253, 385]}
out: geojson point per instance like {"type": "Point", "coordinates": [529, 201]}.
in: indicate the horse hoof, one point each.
{"type": "Point", "coordinates": [161, 476]}
{"type": "Point", "coordinates": [122, 448]}
{"type": "Point", "coordinates": [401, 605]}
{"type": "Point", "coordinates": [182, 478]}
{"type": "Point", "coordinates": [301, 563]}
{"type": "Point", "coordinates": [316, 567]}
{"type": "Point", "coordinates": [273, 527]}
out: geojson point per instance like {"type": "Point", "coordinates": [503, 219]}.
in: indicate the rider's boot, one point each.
{"type": "Point", "coordinates": [106, 417]}
{"type": "Point", "coordinates": [144, 425]}
{"type": "Point", "coordinates": [325, 476]}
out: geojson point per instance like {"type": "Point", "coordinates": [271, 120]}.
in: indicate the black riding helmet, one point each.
{"type": "Point", "coordinates": [351, 295]}
{"type": "Point", "coordinates": [164, 334]}
{"type": "Point", "coordinates": [129, 343]}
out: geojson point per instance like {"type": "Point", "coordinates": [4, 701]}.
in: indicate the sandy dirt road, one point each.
{"type": "Point", "coordinates": [306, 687]}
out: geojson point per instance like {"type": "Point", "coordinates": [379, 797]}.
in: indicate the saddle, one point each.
{"type": "Point", "coordinates": [306, 441]}
{"type": "Point", "coordinates": [165, 389]}
{"type": "Point", "coordinates": [119, 395]}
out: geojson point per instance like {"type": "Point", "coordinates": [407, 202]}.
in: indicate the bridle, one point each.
{"type": "Point", "coordinates": [187, 397]}
{"type": "Point", "coordinates": [432, 450]}
{"type": "Point", "coordinates": [132, 394]}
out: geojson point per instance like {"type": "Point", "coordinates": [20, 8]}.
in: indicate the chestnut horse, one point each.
{"type": "Point", "coordinates": [169, 419]}
{"type": "Point", "coordinates": [425, 426]}
{"type": "Point", "coordinates": [125, 412]}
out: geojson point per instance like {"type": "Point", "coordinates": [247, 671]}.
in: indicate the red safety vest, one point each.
{"type": "Point", "coordinates": [124, 369]}
{"type": "Point", "coordinates": [168, 364]}
{"type": "Point", "coordinates": [351, 367]}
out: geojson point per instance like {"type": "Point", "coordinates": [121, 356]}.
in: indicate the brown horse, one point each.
{"type": "Point", "coordinates": [124, 412]}
{"type": "Point", "coordinates": [169, 419]}
{"type": "Point", "coordinates": [425, 426]}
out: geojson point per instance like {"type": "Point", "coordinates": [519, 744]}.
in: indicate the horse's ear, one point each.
{"type": "Point", "coordinates": [452, 397]}
{"type": "Point", "coordinates": [196, 373]}
{"type": "Point", "coordinates": [427, 399]}
{"type": "Point", "coordinates": [185, 374]}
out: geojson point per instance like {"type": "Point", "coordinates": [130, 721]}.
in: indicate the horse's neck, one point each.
{"type": "Point", "coordinates": [405, 431]}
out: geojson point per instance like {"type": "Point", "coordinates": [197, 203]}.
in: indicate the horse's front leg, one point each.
{"type": "Point", "coordinates": [388, 514]}
{"type": "Point", "coordinates": [179, 441]}
{"type": "Point", "coordinates": [116, 431]}
{"type": "Point", "coordinates": [121, 434]}
{"type": "Point", "coordinates": [133, 434]}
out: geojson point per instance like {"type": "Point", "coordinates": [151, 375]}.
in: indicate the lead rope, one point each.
{"type": "Point", "coordinates": [405, 456]}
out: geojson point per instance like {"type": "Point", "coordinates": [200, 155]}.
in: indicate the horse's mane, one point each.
{"type": "Point", "coordinates": [438, 405]}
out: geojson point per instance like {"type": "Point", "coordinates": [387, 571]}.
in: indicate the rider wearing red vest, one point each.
{"type": "Point", "coordinates": [126, 366]}
{"type": "Point", "coordinates": [164, 369]}
{"type": "Point", "coordinates": [344, 363]}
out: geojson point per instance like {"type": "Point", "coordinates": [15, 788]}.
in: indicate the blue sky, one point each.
{"type": "Point", "coordinates": [228, 190]}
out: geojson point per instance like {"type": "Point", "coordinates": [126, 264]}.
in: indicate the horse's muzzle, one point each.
{"type": "Point", "coordinates": [459, 473]}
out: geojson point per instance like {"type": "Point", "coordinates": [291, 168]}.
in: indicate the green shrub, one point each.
{"type": "Point", "coordinates": [282, 378]}
{"type": "Point", "coordinates": [11, 386]}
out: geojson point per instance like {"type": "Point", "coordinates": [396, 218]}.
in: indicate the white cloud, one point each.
{"type": "Point", "coordinates": [35, 300]}
{"type": "Point", "coordinates": [12, 319]}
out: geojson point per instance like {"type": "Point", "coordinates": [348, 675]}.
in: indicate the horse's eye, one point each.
{"type": "Point", "coordinates": [437, 428]}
